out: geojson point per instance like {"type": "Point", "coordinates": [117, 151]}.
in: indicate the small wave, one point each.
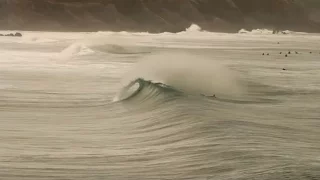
{"type": "Point", "coordinates": [194, 28]}
{"type": "Point", "coordinates": [115, 43]}
{"type": "Point", "coordinates": [263, 31]}
{"type": "Point", "coordinates": [117, 49]}
{"type": "Point", "coordinates": [73, 50]}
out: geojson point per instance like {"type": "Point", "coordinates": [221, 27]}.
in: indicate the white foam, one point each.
{"type": "Point", "coordinates": [194, 28]}
{"type": "Point", "coordinates": [74, 50]}
{"type": "Point", "coordinates": [264, 32]}
{"type": "Point", "coordinates": [187, 72]}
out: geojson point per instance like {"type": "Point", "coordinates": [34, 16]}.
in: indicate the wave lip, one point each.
{"type": "Point", "coordinates": [145, 90]}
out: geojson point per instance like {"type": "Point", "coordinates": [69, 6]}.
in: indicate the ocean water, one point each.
{"type": "Point", "coordinates": [137, 106]}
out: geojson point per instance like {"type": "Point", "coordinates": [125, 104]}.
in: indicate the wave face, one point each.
{"type": "Point", "coordinates": [141, 90]}
{"type": "Point", "coordinates": [194, 105]}
{"type": "Point", "coordinates": [159, 15]}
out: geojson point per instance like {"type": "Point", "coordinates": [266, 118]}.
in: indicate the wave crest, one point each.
{"type": "Point", "coordinates": [74, 50]}
{"type": "Point", "coordinates": [145, 90]}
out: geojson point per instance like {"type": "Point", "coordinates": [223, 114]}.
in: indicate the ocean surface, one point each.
{"type": "Point", "coordinates": [135, 106]}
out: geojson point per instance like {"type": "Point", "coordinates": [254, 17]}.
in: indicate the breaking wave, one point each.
{"type": "Point", "coordinates": [145, 90]}
{"type": "Point", "coordinates": [181, 73]}
{"type": "Point", "coordinates": [74, 50]}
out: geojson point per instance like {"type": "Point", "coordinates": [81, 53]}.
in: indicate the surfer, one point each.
{"type": "Point", "coordinates": [213, 96]}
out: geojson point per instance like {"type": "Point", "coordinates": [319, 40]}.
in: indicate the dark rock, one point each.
{"type": "Point", "coordinates": [284, 69]}
{"type": "Point", "coordinates": [18, 34]}
{"type": "Point", "coordinates": [286, 55]}
{"type": "Point", "coordinates": [12, 35]}
{"type": "Point", "coordinates": [9, 34]}
{"type": "Point", "coordinates": [280, 52]}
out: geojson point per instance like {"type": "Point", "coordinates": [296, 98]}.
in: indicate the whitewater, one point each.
{"type": "Point", "coordinates": [189, 105]}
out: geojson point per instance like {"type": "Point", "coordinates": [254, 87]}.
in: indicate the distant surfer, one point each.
{"type": "Point", "coordinates": [275, 31]}
{"type": "Point", "coordinates": [213, 96]}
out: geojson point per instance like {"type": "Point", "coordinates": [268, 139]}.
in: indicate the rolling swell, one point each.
{"type": "Point", "coordinates": [176, 135]}
{"type": "Point", "coordinates": [56, 123]}
{"type": "Point", "coordinates": [192, 138]}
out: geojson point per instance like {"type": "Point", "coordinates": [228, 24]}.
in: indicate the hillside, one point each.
{"type": "Point", "coordinates": [157, 15]}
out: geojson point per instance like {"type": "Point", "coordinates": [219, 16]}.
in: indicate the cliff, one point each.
{"type": "Point", "coordinates": [156, 15]}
